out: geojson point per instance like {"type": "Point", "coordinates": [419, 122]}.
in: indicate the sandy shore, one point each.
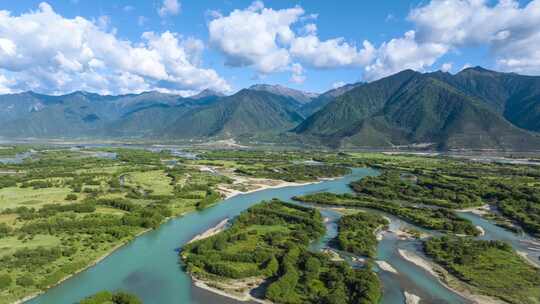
{"type": "Point", "coordinates": [242, 297]}
{"type": "Point", "coordinates": [417, 260]}
{"type": "Point", "coordinates": [411, 298]}
{"type": "Point", "coordinates": [434, 270]}
{"type": "Point", "coordinates": [482, 210]}
{"type": "Point", "coordinates": [211, 232]}
{"type": "Point", "coordinates": [482, 231]}
{"type": "Point", "coordinates": [527, 259]}
{"type": "Point", "coordinates": [386, 267]}
{"type": "Point", "coordinates": [261, 185]}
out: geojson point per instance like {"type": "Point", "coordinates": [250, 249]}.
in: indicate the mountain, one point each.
{"type": "Point", "coordinates": [73, 115]}
{"type": "Point", "coordinates": [516, 97]}
{"type": "Point", "coordinates": [475, 108]}
{"type": "Point", "coordinates": [300, 96]}
{"type": "Point", "coordinates": [320, 101]}
{"type": "Point", "coordinates": [248, 111]}
{"type": "Point", "coordinates": [413, 108]}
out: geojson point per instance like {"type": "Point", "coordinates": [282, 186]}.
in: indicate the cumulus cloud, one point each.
{"type": "Point", "coordinates": [297, 73]}
{"type": "Point", "coordinates": [169, 8]}
{"type": "Point", "coordinates": [46, 52]}
{"type": "Point", "coordinates": [510, 31]}
{"type": "Point", "coordinates": [256, 36]}
{"type": "Point", "coordinates": [403, 53]}
{"type": "Point", "coordinates": [446, 67]}
{"type": "Point", "coordinates": [330, 53]}
{"type": "Point", "coordinates": [270, 41]}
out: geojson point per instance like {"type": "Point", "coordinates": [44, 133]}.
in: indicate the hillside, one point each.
{"type": "Point", "coordinates": [475, 108]}
{"type": "Point", "coordinates": [413, 108]}
{"type": "Point", "coordinates": [247, 111]}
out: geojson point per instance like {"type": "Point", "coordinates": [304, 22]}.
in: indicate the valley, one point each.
{"type": "Point", "coordinates": [272, 152]}
{"type": "Point", "coordinates": [65, 209]}
{"type": "Point", "coordinates": [476, 109]}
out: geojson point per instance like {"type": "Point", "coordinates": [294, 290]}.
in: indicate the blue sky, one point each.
{"type": "Point", "coordinates": [423, 35]}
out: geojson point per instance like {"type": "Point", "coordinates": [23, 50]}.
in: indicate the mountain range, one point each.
{"type": "Point", "coordinates": [475, 108]}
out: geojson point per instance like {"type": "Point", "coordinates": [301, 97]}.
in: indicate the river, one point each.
{"type": "Point", "coordinates": [149, 268]}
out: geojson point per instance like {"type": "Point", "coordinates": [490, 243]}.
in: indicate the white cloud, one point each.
{"type": "Point", "coordinates": [128, 8]}
{"type": "Point", "coordinates": [169, 8]}
{"type": "Point", "coordinates": [310, 29]}
{"type": "Point", "coordinates": [446, 67]}
{"type": "Point", "coordinates": [267, 40]}
{"type": "Point", "coordinates": [255, 37]}
{"type": "Point", "coordinates": [103, 22]}
{"type": "Point", "coordinates": [5, 85]}
{"type": "Point", "coordinates": [46, 52]}
{"type": "Point", "coordinates": [338, 84]}
{"type": "Point", "coordinates": [297, 73]}
{"type": "Point", "coordinates": [403, 53]}
{"type": "Point", "coordinates": [511, 32]}
{"type": "Point", "coordinates": [330, 53]}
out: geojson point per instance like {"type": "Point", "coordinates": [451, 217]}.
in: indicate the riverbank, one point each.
{"type": "Point", "coordinates": [481, 210]}
{"type": "Point", "coordinates": [211, 232]}
{"type": "Point", "coordinates": [92, 264]}
{"type": "Point", "coordinates": [242, 297]}
{"type": "Point", "coordinates": [447, 280]}
{"type": "Point", "coordinates": [411, 298]}
{"type": "Point", "coordinates": [262, 184]}
{"type": "Point", "coordinates": [386, 266]}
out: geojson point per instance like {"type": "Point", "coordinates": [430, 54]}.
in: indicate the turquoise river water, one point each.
{"type": "Point", "coordinates": [149, 265]}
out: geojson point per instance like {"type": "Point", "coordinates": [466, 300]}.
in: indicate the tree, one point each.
{"type": "Point", "coordinates": [5, 281]}
{"type": "Point", "coordinates": [71, 197]}
{"type": "Point", "coordinates": [25, 281]}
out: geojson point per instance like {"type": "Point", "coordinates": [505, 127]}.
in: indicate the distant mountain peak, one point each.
{"type": "Point", "coordinates": [479, 69]}
{"type": "Point", "coordinates": [207, 93]}
{"type": "Point", "coordinates": [300, 96]}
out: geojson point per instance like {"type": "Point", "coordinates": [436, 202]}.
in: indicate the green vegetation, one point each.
{"type": "Point", "coordinates": [421, 188]}
{"type": "Point", "coordinates": [65, 208]}
{"type": "Point", "coordinates": [292, 173]}
{"type": "Point", "coordinates": [452, 183]}
{"type": "Point", "coordinates": [356, 233]}
{"type": "Point", "coordinates": [269, 242]}
{"type": "Point", "coordinates": [106, 297]}
{"type": "Point", "coordinates": [437, 219]}
{"type": "Point", "coordinates": [475, 108]}
{"type": "Point", "coordinates": [490, 266]}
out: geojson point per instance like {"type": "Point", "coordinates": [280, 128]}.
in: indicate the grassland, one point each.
{"type": "Point", "coordinates": [64, 209]}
